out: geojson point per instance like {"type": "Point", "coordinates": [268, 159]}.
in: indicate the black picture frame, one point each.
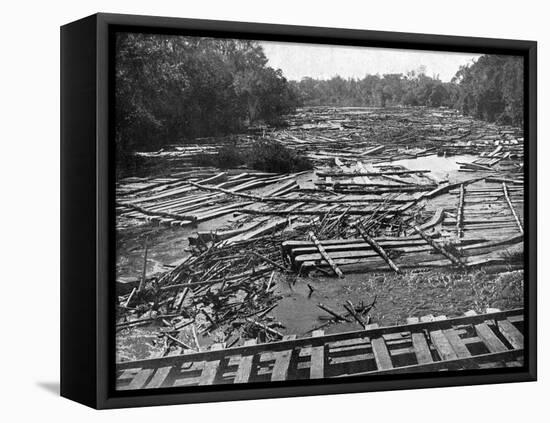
{"type": "Point", "coordinates": [87, 204]}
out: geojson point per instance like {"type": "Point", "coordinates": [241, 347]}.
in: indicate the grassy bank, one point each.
{"type": "Point", "coordinates": [419, 293]}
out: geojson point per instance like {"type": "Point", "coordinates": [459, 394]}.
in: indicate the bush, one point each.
{"type": "Point", "coordinates": [229, 156]}
{"type": "Point", "coordinates": [267, 156]}
{"type": "Point", "coordinates": [274, 157]}
{"type": "Point", "coordinates": [226, 157]}
{"type": "Point", "coordinates": [206, 159]}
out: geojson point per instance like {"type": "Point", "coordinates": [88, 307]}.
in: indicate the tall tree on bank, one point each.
{"type": "Point", "coordinates": [173, 88]}
{"type": "Point", "coordinates": [492, 89]}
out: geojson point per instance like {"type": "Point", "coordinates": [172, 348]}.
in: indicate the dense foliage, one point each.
{"type": "Point", "coordinates": [412, 89]}
{"type": "Point", "coordinates": [172, 88]}
{"type": "Point", "coordinates": [265, 155]}
{"type": "Point", "coordinates": [490, 89]}
{"type": "Point", "coordinates": [274, 157]}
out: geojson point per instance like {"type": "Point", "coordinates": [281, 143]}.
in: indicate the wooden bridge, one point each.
{"type": "Point", "coordinates": [424, 344]}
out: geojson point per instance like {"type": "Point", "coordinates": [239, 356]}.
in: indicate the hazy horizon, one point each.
{"type": "Point", "coordinates": [321, 61]}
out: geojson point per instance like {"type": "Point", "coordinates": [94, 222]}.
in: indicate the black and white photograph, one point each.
{"type": "Point", "coordinates": [290, 211]}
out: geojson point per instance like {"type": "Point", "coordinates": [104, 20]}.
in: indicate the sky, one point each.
{"type": "Point", "coordinates": [324, 61]}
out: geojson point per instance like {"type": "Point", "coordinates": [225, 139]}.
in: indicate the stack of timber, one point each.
{"type": "Point", "coordinates": [413, 252]}
{"type": "Point", "coordinates": [485, 228]}
{"type": "Point", "coordinates": [421, 345]}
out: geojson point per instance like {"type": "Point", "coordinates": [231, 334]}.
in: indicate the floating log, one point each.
{"type": "Point", "coordinates": [336, 315]}
{"type": "Point", "coordinates": [384, 173]}
{"type": "Point", "coordinates": [448, 187]}
{"type": "Point", "coordinates": [144, 271]}
{"type": "Point", "coordinates": [506, 180]}
{"type": "Point", "coordinates": [354, 212]}
{"type": "Point", "coordinates": [325, 255]}
{"type": "Point", "coordinates": [460, 213]}
{"type": "Point", "coordinates": [278, 199]}
{"type": "Point", "coordinates": [351, 310]}
{"type": "Point", "coordinates": [268, 260]}
{"type": "Point", "coordinates": [376, 247]}
{"type": "Point", "coordinates": [437, 247]}
{"type": "Point", "coordinates": [510, 205]}
{"type": "Point", "coordinates": [475, 166]}
{"type": "Point", "coordinates": [257, 231]}
{"type": "Point", "coordinates": [373, 150]}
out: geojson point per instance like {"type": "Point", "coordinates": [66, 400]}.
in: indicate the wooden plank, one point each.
{"type": "Point", "coordinates": [317, 368]}
{"type": "Point", "coordinates": [471, 362]}
{"type": "Point", "coordinates": [511, 333]}
{"type": "Point", "coordinates": [384, 240]}
{"type": "Point", "coordinates": [139, 380]}
{"type": "Point", "coordinates": [488, 337]}
{"type": "Point", "coordinates": [353, 246]}
{"type": "Point", "coordinates": [160, 375]}
{"type": "Point", "coordinates": [442, 345]}
{"type": "Point", "coordinates": [513, 315]}
{"type": "Point", "coordinates": [282, 363]}
{"type": "Point", "coordinates": [210, 368]}
{"type": "Point", "coordinates": [436, 218]}
{"type": "Point", "coordinates": [360, 253]}
{"type": "Point", "coordinates": [380, 351]}
{"type": "Point", "coordinates": [420, 345]}
{"type": "Point", "coordinates": [245, 365]}
{"type": "Point", "coordinates": [381, 354]}
{"type": "Point", "coordinates": [267, 226]}
{"type": "Point", "coordinates": [454, 339]}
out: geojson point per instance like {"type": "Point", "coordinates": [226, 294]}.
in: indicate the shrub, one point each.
{"type": "Point", "coordinates": [226, 157]}
{"type": "Point", "coordinates": [274, 157]}
{"type": "Point", "coordinates": [206, 159]}
{"type": "Point", "coordinates": [229, 156]}
{"type": "Point", "coordinates": [264, 155]}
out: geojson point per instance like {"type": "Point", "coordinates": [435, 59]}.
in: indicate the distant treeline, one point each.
{"type": "Point", "coordinates": [173, 88]}
{"type": "Point", "coordinates": [490, 89]}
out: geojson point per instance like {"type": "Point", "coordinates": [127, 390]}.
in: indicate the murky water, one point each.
{"type": "Point", "coordinates": [166, 246]}
{"type": "Point", "coordinates": [440, 292]}
{"type": "Point", "coordinates": [442, 168]}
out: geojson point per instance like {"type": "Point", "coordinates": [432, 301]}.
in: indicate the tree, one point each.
{"type": "Point", "coordinates": [174, 88]}
{"type": "Point", "coordinates": [492, 89]}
